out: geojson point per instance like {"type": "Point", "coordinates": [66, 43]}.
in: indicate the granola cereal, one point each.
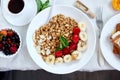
{"type": "Point", "coordinates": [46, 38]}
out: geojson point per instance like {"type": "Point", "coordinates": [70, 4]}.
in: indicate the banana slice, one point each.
{"type": "Point", "coordinates": [50, 59]}
{"type": "Point", "coordinates": [83, 36]}
{"type": "Point", "coordinates": [82, 26]}
{"type": "Point", "coordinates": [59, 60]}
{"type": "Point", "coordinates": [76, 55]}
{"type": "Point", "coordinates": [67, 58]}
{"type": "Point", "coordinates": [42, 52]}
{"type": "Point", "coordinates": [81, 46]}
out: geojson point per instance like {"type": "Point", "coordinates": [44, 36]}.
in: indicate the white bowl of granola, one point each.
{"type": "Point", "coordinates": [64, 41]}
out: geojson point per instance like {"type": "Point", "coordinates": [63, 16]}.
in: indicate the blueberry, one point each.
{"type": "Point", "coordinates": [6, 52]}
{"type": "Point", "coordinates": [16, 36]}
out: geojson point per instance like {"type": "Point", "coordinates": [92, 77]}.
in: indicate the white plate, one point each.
{"type": "Point", "coordinates": [41, 19]}
{"type": "Point", "coordinates": [24, 17]}
{"type": "Point", "coordinates": [106, 45]}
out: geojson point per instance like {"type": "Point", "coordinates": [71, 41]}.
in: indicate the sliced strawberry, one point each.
{"type": "Point", "coordinates": [75, 38]}
{"type": "Point", "coordinates": [58, 54]}
{"type": "Point", "coordinates": [13, 49]}
{"type": "Point", "coordinates": [66, 51]}
{"type": "Point", "coordinates": [76, 30]}
{"type": "Point", "coordinates": [72, 47]}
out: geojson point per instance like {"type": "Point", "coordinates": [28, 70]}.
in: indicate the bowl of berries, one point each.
{"type": "Point", "coordinates": [9, 42]}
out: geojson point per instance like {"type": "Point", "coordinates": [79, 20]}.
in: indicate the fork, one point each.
{"type": "Point", "coordinates": [99, 22]}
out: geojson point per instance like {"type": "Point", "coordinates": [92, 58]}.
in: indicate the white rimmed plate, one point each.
{"type": "Point", "coordinates": [41, 19]}
{"type": "Point", "coordinates": [106, 45]}
{"type": "Point", "coordinates": [24, 17]}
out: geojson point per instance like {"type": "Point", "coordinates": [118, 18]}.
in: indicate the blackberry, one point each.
{"type": "Point", "coordinates": [6, 52]}
{"type": "Point", "coordinates": [7, 45]}
{"type": "Point", "coordinates": [4, 38]}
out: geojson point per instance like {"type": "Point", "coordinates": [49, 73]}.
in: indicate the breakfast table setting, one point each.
{"type": "Point", "coordinates": [23, 60]}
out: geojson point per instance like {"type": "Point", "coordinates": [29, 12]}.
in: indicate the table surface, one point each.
{"type": "Point", "coordinates": [23, 61]}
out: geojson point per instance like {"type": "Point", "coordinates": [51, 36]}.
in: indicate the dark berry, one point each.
{"type": "Point", "coordinates": [17, 39]}
{"type": "Point", "coordinates": [4, 38]}
{"type": "Point", "coordinates": [7, 45]}
{"type": "Point", "coordinates": [16, 36]}
{"type": "Point", "coordinates": [1, 46]}
{"type": "Point", "coordinates": [13, 39]}
{"type": "Point", "coordinates": [6, 52]}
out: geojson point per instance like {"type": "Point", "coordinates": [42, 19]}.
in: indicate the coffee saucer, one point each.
{"type": "Point", "coordinates": [23, 17]}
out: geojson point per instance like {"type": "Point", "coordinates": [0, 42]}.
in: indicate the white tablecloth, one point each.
{"type": "Point", "coordinates": [24, 62]}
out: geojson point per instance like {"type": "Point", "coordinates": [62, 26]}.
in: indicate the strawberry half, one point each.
{"type": "Point", "coordinates": [75, 38]}
{"type": "Point", "coordinates": [66, 51]}
{"type": "Point", "coordinates": [76, 30]}
{"type": "Point", "coordinates": [72, 47]}
{"type": "Point", "coordinates": [58, 53]}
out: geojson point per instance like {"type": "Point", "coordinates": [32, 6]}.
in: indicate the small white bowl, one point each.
{"type": "Point", "coordinates": [24, 16]}
{"type": "Point", "coordinates": [12, 55]}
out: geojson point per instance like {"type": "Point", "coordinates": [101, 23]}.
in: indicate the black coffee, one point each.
{"type": "Point", "coordinates": [15, 6]}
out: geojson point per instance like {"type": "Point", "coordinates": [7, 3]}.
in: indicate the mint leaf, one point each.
{"type": "Point", "coordinates": [39, 5]}
{"type": "Point", "coordinates": [64, 41]}
{"type": "Point", "coordinates": [46, 4]}
{"type": "Point", "coordinates": [45, 7]}
{"type": "Point", "coordinates": [60, 47]}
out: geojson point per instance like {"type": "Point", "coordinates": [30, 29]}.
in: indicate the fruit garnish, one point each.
{"type": "Point", "coordinates": [1, 45]}
{"type": "Point", "coordinates": [72, 47]}
{"type": "Point", "coordinates": [10, 33]}
{"type": "Point", "coordinates": [1, 36]}
{"type": "Point", "coordinates": [4, 32]}
{"type": "Point", "coordinates": [58, 53]}
{"type": "Point", "coordinates": [66, 51]}
{"type": "Point", "coordinates": [75, 38]}
{"type": "Point", "coordinates": [116, 4]}
{"type": "Point", "coordinates": [76, 30]}
{"type": "Point", "coordinates": [13, 49]}
{"type": "Point", "coordinates": [60, 47]}
{"type": "Point", "coordinates": [63, 43]}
